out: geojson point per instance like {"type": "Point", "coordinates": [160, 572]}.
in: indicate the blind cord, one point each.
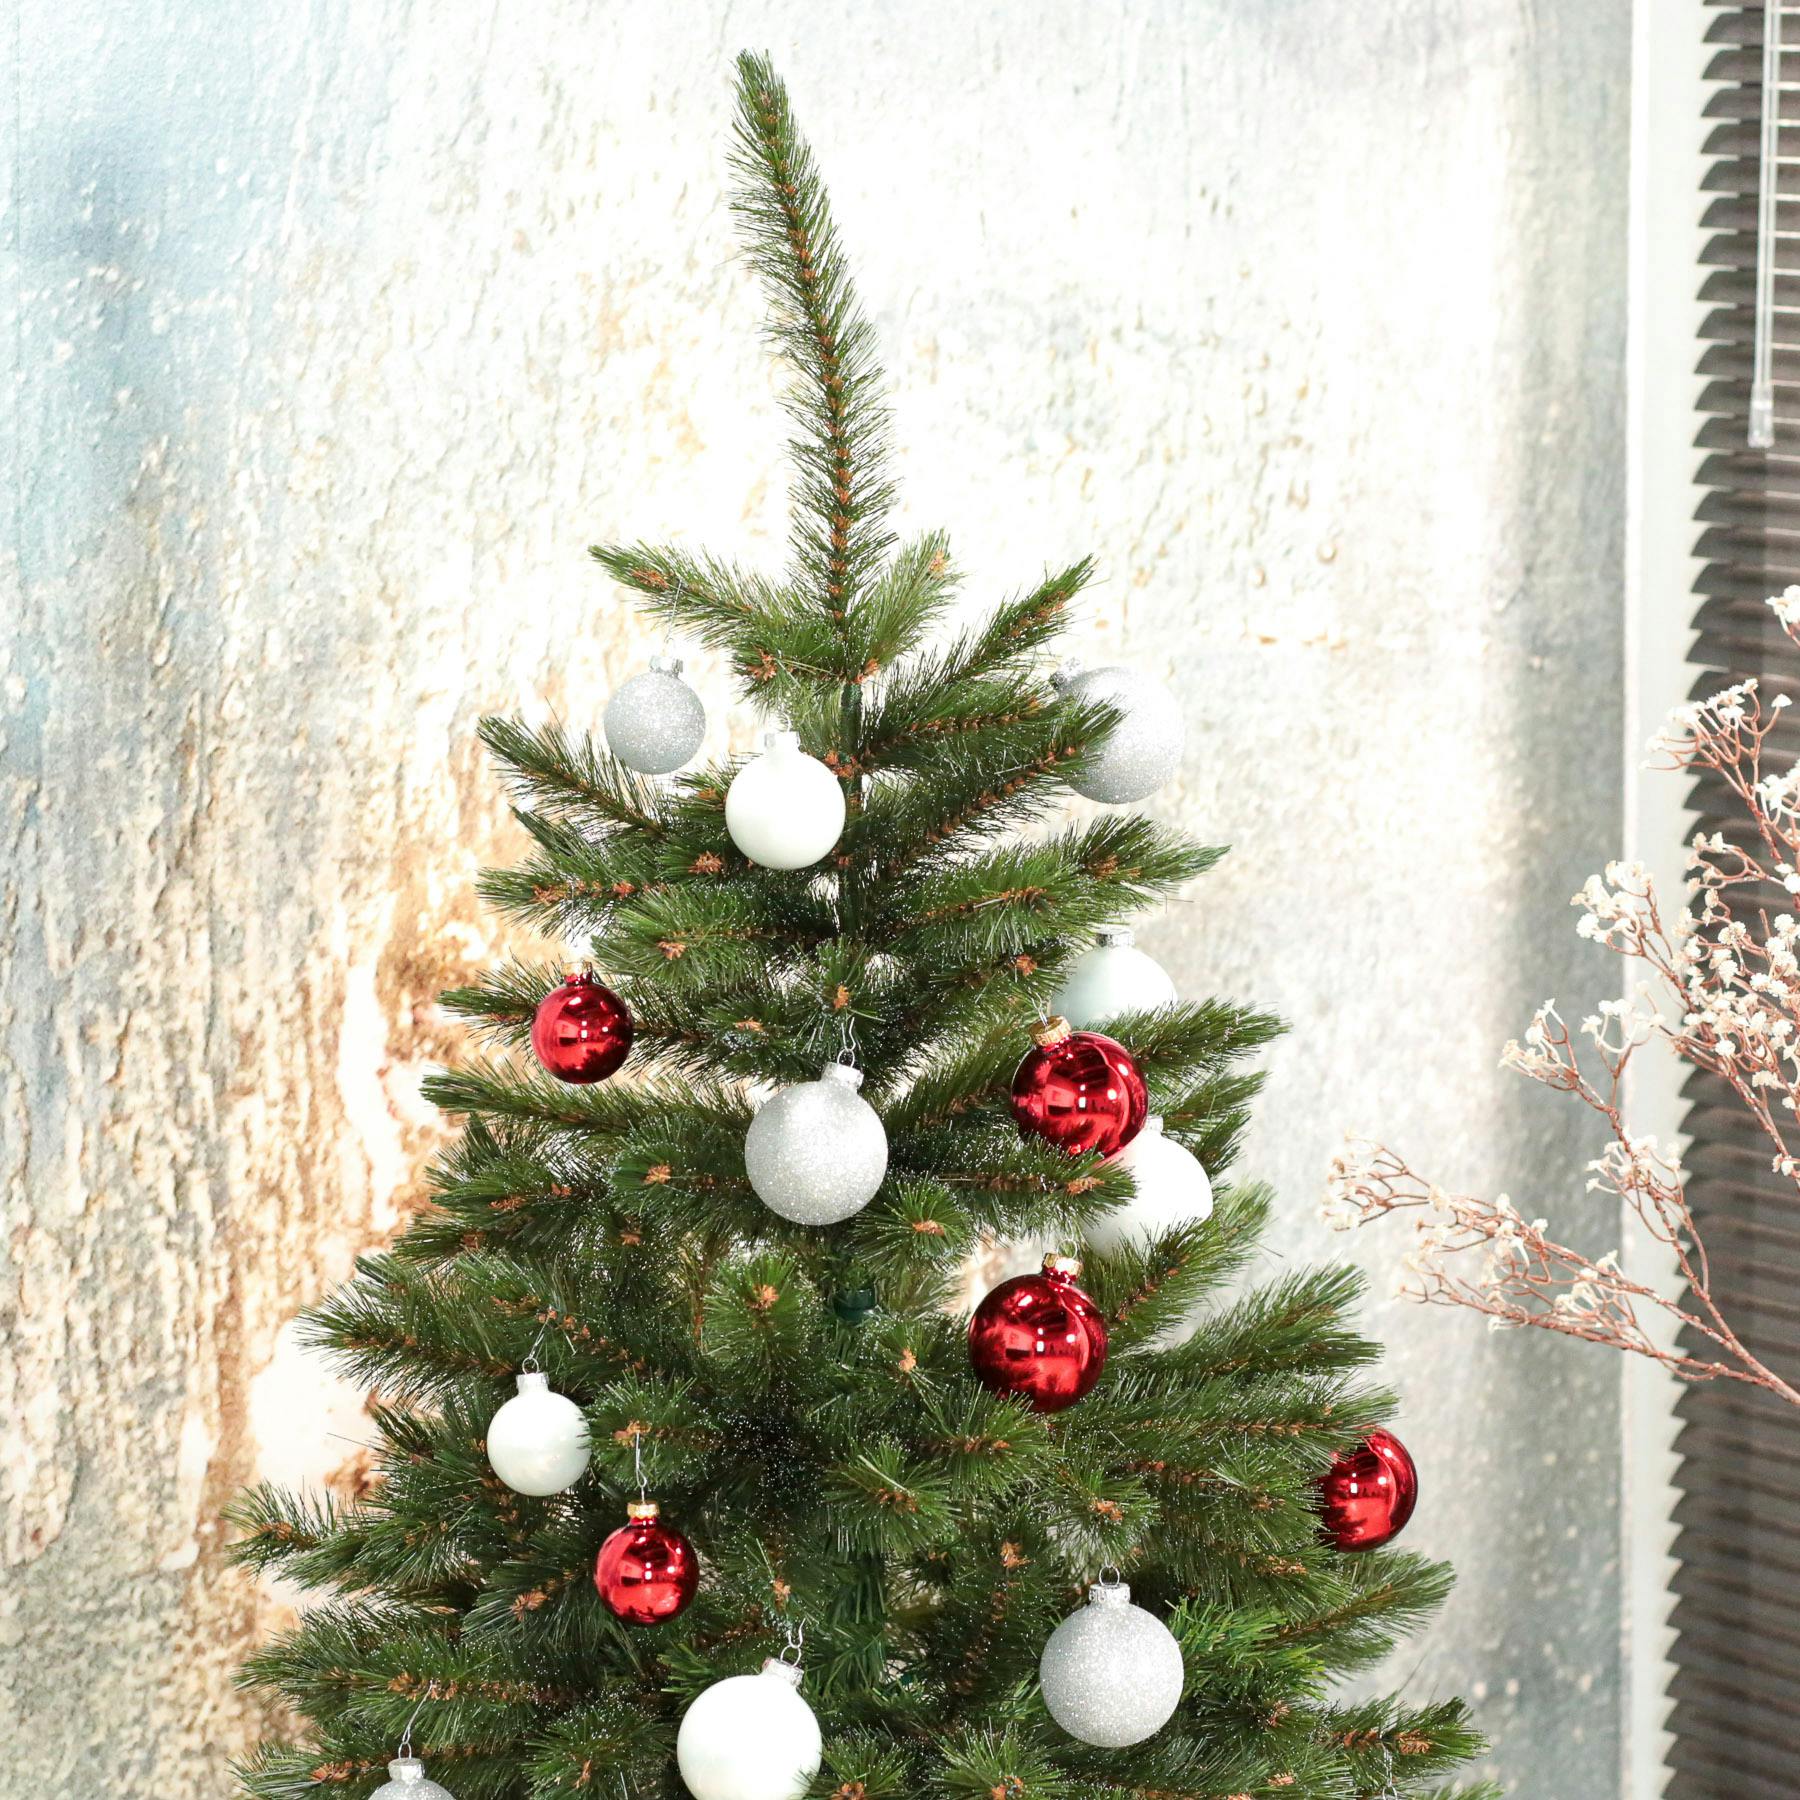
{"type": "Point", "coordinates": [1762, 385]}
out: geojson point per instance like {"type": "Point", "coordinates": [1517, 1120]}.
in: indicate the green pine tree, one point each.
{"type": "Point", "coordinates": [802, 1398]}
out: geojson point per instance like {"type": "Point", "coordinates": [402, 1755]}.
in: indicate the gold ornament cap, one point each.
{"type": "Point", "coordinates": [1062, 1265]}
{"type": "Point", "coordinates": [643, 1509]}
{"type": "Point", "coordinates": [1050, 1031]}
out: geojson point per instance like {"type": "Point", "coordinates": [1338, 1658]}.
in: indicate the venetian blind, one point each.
{"type": "Point", "coordinates": [1736, 1689]}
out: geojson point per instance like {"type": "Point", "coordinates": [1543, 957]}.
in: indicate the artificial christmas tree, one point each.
{"type": "Point", "coordinates": [789, 1377]}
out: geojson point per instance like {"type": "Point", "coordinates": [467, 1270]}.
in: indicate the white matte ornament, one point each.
{"type": "Point", "coordinates": [538, 1441]}
{"type": "Point", "coordinates": [1145, 745]}
{"type": "Point", "coordinates": [655, 722]}
{"type": "Point", "coordinates": [408, 1781]}
{"type": "Point", "coordinates": [784, 809]}
{"type": "Point", "coordinates": [1111, 1673]}
{"type": "Point", "coordinates": [816, 1152]}
{"type": "Point", "coordinates": [1172, 1190]}
{"type": "Point", "coordinates": [1112, 978]}
{"type": "Point", "coordinates": [750, 1737]}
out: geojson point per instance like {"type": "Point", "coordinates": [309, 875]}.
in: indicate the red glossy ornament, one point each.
{"type": "Point", "coordinates": [1367, 1495]}
{"type": "Point", "coordinates": [1079, 1090]}
{"type": "Point", "coordinates": [581, 1031]}
{"type": "Point", "coordinates": [646, 1571]}
{"type": "Point", "coordinates": [1039, 1336]}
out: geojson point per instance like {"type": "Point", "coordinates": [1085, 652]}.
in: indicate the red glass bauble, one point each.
{"type": "Point", "coordinates": [581, 1031]}
{"type": "Point", "coordinates": [1367, 1495]}
{"type": "Point", "coordinates": [1039, 1336]}
{"type": "Point", "coordinates": [1080, 1090]}
{"type": "Point", "coordinates": [646, 1571]}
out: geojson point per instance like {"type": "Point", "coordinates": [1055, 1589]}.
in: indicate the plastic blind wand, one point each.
{"type": "Point", "coordinates": [1762, 386]}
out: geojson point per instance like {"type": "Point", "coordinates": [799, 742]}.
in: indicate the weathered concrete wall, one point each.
{"type": "Point", "coordinates": [342, 329]}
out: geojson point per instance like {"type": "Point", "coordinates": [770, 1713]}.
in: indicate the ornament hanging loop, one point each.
{"type": "Point", "coordinates": [796, 1637]}
{"type": "Point", "coordinates": [1110, 1576]}
{"type": "Point", "coordinates": [531, 1365]}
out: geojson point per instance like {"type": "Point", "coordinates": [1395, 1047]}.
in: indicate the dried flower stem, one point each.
{"type": "Point", "coordinates": [1719, 985]}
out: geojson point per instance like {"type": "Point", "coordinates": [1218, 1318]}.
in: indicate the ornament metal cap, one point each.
{"type": "Point", "coordinates": [642, 1509]}
{"type": "Point", "coordinates": [1065, 672]}
{"type": "Point", "coordinates": [666, 665]}
{"type": "Point", "coordinates": [845, 1073]}
{"type": "Point", "coordinates": [1109, 1593]}
{"type": "Point", "coordinates": [1062, 1265]}
{"type": "Point", "coordinates": [1116, 937]}
{"type": "Point", "coordinates": [777, 1670]}
{"type": "Point", "coordinates": [533, 1381]}
{"type": "Point", "coordinates": [406, 1768]}
{"type": "Point", "coordinates": [779, 743]}
{"type": "Point", "coordinates": [1050, 1031]}
{"type": "Point", "coordinates": [1154, 1123]}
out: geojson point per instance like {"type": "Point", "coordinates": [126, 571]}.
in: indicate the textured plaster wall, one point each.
{"type": "Point", "coordinates": [341, 328]}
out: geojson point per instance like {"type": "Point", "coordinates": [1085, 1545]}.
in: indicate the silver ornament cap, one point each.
{"type": "Point", "coordinates": [1145, 745]}
{"type": "Point", "coordinates": [817, 1152]}
{"type": "Point", "coordinates": [655, 722]}
{"type": "Point", "coordinates": [1111, 1673]}
{"type": "Point", "coordinates": [407, 1781]}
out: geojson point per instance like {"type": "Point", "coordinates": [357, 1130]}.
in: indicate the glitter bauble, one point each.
{"type": "Point", "coordinates": [784, 809]}
{"type": "Point", "coordinates": [407, 1780]}
{"type": "Point", "coordinates": [1112, 978]}
{"type": "Point", "coordinates": [1368, 1494]}
{"type": "Point", "coordinates": [1142, 750]}
{"type": "Point", "coordinates": [1040, 1337]}
{"type": "Point", "coordinates": [1079, 1090]}
{"type": "Point", "coordinates": [1171, 1189]}
{"type": "Point", "coordinates": [581, 1031]}
{"type": "Point", "coordinates": [646, 1571]}
{"type": "Point", "coordinates": [1111, 1673]}
{"type": "Point", "coordinates": [750, 1737]}
{"type": "Point", "coordinates": [655, 722]}
{"type": "Point", "coordinates": [538, 1441]}
{"type": "Point", "coordinates": [816, 1152]}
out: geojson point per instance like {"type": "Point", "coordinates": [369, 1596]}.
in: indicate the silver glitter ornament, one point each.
{"type": "Point", "coordinates": [1145, 745]}
{"type": "Point", "coordinates": [1114, 977]}
{"type": "Point", "coordinates": [817, 1151]}
{"type": "Point", "coordinates": [1111, 1673]}
{"type": "Point", "coordinates": [407, 1781]}
{"type": "Point", "coordinates": [655, 722]}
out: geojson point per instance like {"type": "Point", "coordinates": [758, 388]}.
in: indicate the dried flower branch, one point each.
{"type": "Point", "coordinates": [1719, 985]}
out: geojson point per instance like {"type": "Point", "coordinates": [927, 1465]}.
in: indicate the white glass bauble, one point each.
{"type": "Point", "coordinates": [817, 1151]}
{"type": "Point", "coordinates": [407, 1780]}
{"type": "Point", "coordinates": [1111, 1673]}
{"type": "Point", "coordinates": [1145, 745]}
{"type": "Point", "coordinates": [784, 809]}
{"type": "Point", "coordinates": [538, 1441]}
{"type": "Point", "coordinates": [655, 722]}
{"type": "Point", "coordinates": [749, 1737]}
{"type": "Point", "coordinates": [1113, 978]}
{"type": "Point", "coordinates": [1172, 1190]}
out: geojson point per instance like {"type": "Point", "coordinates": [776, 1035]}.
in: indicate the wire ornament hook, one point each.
{"type": "Point", "coordinates": [531, 1365]}
{"type": "Point", "coordinates": [671, 596]}
{"type": "Point", "coordinates": [406, 1743]}
{"type": "Point", "coordinates": [1388, 1790]}
{"type": "Point", "coordinates": [637, 1464]}
{"type": "Point", "coordinates": [795, 1633]}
